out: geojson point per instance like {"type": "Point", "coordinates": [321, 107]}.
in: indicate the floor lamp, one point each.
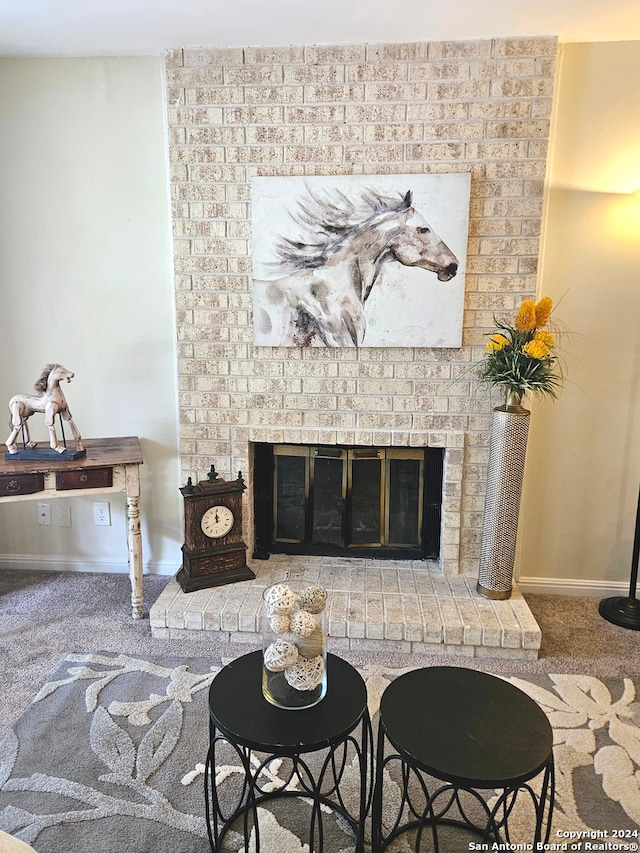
{"type": "Point", "coordinates": [622, 610]}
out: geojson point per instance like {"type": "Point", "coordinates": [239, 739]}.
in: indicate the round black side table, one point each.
{"type": "Point", "coordinates": [241, 717]}
{"type": "Point", "coordinates": [483, 738]}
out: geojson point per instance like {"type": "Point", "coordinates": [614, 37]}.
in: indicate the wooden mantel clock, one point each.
{"type": "Point", "coordinates": [213, 552]}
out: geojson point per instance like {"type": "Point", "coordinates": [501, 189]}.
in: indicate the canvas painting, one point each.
{"type": "Point", "coordinates": [359, 261]}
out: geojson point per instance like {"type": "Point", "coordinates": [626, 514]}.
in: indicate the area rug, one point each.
{"type": "Point", "coordinates": [109, 758]}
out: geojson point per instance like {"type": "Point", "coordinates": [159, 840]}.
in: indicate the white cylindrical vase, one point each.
{"type": "Point", "coordinates": [508, 446]}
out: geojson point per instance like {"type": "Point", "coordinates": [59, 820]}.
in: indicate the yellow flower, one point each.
{"type": "Point", "coordinates": [545, 337]}
{"type": "Point", "coordinates": [526, 317]}
{"type": "Point", "coordinates": [496, 342]}
{"type": "Point", "coordinates": [543, 310]}
{"type": "Point", "coordinates": [536, 349]}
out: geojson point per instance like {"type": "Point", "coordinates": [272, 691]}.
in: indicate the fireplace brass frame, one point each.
{"type": "Point", "coordinates": [349, 457]}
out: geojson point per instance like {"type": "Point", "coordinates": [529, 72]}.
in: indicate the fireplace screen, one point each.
{"type": "Point", "coordinates": [374, 501]}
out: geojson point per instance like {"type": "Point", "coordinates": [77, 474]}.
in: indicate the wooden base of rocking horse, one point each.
{"type": "Point", "coordinates": [36, 453]}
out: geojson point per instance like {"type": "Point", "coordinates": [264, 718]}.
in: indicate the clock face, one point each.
{"type": "Point", "coordinates": [217, 522]}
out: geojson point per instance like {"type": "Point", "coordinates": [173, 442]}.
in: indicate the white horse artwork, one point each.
{"type": "Point", "coordinates": [50, 401]}
{"type": "Point", "coordinates": [322, 280]}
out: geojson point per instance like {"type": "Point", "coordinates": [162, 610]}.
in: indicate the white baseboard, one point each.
{"type": "Point", "coordinates": [543, 586]}
{"type": "Point", "coordinates": [31, 562]}
{"type": "Point", "coordinates": [573, 586]}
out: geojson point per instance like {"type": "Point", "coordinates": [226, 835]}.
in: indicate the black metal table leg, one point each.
{"type": "Point", "coordinates": [319, 743]}
{"type": "Point", "coordinates": [466, 748]}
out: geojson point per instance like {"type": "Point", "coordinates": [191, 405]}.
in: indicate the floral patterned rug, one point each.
{"type": "Point", "coordinates": [109, 758]}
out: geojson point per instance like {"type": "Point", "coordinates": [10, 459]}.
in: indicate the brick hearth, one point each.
{"type": "Point", "coordinates": [378, 606]}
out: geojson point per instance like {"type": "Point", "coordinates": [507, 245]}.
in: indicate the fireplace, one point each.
{"type": "Point", "coordinates": [378, 502]}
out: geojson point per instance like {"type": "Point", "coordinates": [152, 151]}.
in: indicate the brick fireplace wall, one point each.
{"type": "Point", "coordinates": [478, 106]}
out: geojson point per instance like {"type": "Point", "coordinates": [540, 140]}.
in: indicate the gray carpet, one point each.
{"type": "Point", "coordinates": [45, 616]}
{"type": "Point", "coordinates": [108, 759]}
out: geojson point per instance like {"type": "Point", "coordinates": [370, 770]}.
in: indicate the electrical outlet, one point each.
{"type": "Point", "coordinates": [101, 514]}
{"type": "Point", "coordinates": [44, 513]}
{"type": "Point", "coordinates": [62, 514]}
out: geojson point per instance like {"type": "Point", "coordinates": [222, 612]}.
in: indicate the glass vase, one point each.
{"type": "Point", "coordinates": [294, 646]}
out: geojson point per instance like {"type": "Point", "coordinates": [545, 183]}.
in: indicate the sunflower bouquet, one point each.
{"type": "Point", "coordinates": [521, 357]}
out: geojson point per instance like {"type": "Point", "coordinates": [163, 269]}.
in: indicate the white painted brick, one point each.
{"type": "Point", "coordinates": [255, 95]}
{"type": "Point", "coordinates": [448, 50]}
{"type": "Point", "coordinates": [214, 96]}
{"type": "Point", "coordinates": [175, 618]}
{"type": "Point", "coordinates": [479, 106]}
{"type": "Point", "coordinates": [194, 57]}
{"type": "Point", "coordinates": [273, 55]}
{"type": "Point", "coordinates": [195, 116]}
{"type": "Point", "coordinates": [314, 74]}
{"type": "Point", "coordinates": [338, 613]}
{"type": "Point", "coordinates": [393, 646]}
{"type": "Point", "coordinates": [357, 615]}
{"type": "Point", "coordinates": [442, 649]}
{"type": "Point", "coordinates": [208, 75]}
{"type": "Point", "coordinates": [397, 52]}
{"type": "Point", "coordinates": [318, 54]}
{"type": "Point", "coordinates": [527, 46]}
{"type": "Point", "coordinates": [317, 114]}
{"type": "Point", "coordinates": [432, 620]}
{"type": "Point", "coordinates": [253, 74]}
{"type": "Point", "coordinates": [394, 618]}
{"type": "Point", "coordinates": [375, 616]}
{"type": "Point", "coordinates": [414, 630]}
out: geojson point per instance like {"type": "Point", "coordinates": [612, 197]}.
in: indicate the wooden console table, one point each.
{"type": "Point", "coordinates": [110, 465]}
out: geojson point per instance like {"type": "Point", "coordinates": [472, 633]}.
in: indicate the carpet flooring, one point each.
{"type": "Point", "coordinates": [44, 616]}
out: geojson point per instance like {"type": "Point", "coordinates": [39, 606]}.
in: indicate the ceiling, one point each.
{"type": "Point", "coordinates": [129, 27]}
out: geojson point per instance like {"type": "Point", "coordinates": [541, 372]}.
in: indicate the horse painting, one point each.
{"type": "Point", "coordinates": [50, 401]}
{"type": "Point", "coordinates": [321, 281]}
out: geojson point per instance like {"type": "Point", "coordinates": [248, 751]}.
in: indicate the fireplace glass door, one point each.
{"type": "Point", "coordinates": [339, 500]}
{"type": "Point", "coordinates": [328, 496]}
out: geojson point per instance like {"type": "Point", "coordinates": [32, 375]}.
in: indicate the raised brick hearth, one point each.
{"type": "Point", "coordinates": [374, 606]}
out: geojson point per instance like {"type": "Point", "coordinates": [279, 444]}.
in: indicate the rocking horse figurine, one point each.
{"type": "Point", "coordinates": [51, 402]}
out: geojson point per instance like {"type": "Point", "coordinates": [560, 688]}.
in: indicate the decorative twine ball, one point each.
{"type": "Point", "coordinates": [302, 623]}
{"type": "Point", "coordinates": [305, 674]}
{"type": "Point", "coordinates": [279, 623]}
{"type": "Point", "coordinates": [279, 655]}
{"type": "Point", "coordinates": [313, 645]}
{"type": "Point", "coordinates": [313, 599]}
{"type": "Point", "coordinates": [280, 599]}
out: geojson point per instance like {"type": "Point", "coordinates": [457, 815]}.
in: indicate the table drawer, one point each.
{"type": "Point", "coordinates": [88, 478]}
{"type": "Point", "coordinates": [21, 484]}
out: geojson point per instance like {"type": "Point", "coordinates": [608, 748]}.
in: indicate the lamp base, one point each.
{"type": "Point", "coordinates": [622, 611]}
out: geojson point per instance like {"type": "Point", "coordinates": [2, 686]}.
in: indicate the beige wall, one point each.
{"type": "Point", "coordinates": [85, 270]}
{"type": "Point", "coordinates": [583, 464]}
{"type": "Point", "coordinates": [85, 279]}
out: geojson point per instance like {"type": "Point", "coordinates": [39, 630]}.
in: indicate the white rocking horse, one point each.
{"type": "Point", "coordinates": [50, 401]}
